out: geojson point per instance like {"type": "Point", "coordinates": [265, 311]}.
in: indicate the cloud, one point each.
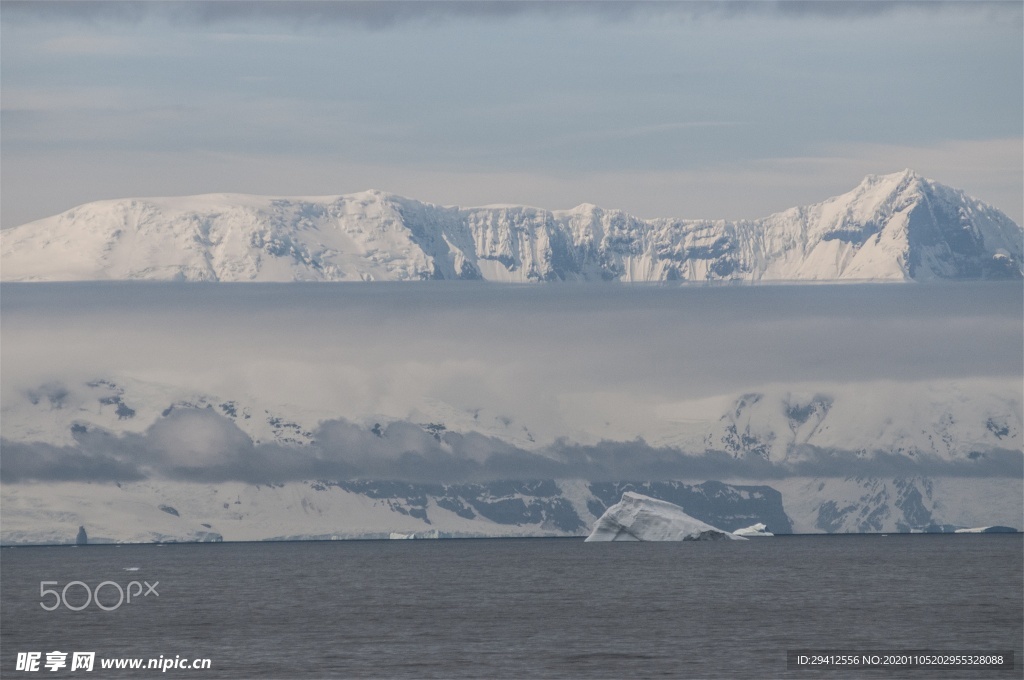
{"type": "Point", "coordinates": [382, 15]}
{"type": "Point", "coordinates": [35, 461]}
{"type": "Point", "coordinates": [559, 359]}
{"type": "Point", "coordinates": [199, 445]}
{"type": "Point", "coordinates": [586, 368]}
{"type": "Point", "coordinates": [662, 119]}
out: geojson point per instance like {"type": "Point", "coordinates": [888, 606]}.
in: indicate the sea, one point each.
{"type": "Point", "coordinates": [511, 608]}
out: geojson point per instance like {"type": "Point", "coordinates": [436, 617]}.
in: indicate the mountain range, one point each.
{"type": "Point", "coordinates": [896, 227]}
{"type": "Point", "coordinates": [175, 442]}
{"type": "Point", "coordinates": [135, 461]}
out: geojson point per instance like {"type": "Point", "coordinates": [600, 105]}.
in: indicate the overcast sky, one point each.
{"type": "Point", "coordinates": [686, 110]}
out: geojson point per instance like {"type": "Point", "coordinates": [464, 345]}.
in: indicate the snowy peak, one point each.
{"type": "Point", "coordinates": [943, 233]}
{"type": "Point", "coordinates": [869, 206]}
{"type": "Point", "coordinates": [895, 227]}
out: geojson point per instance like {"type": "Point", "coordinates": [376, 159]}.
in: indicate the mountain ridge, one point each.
{"type": "Point", "coordinates": [896, 227]}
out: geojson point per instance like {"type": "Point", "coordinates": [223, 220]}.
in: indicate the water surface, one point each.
{"type": "Point", "coordinates": [522, 608]}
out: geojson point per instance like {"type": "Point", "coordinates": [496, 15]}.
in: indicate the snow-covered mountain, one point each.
{"type": "Point", "coordinates": [893, 227]}
{"type": "Point", "coordinates": [949, 421]}
{"type": "Point", "coordinates": [926, 454]}
{"type": "Point", "coordinates": [945, 421]}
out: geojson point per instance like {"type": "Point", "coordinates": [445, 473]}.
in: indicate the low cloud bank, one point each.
{"type": "Point", "coordinates": [563, 359]}
{"type": "Point", "coordinates": [200, 445]}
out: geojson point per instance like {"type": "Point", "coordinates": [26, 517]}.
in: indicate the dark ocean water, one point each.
{"type": "Point", "coordinates": [521, 608]}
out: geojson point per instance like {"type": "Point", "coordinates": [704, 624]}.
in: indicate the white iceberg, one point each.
{"type": "Point", "coordinates": [641, 518]}
{"type": "Point", "coordinates": [400, 536]}
{"type": "Point", "coordinates": [758, 529]}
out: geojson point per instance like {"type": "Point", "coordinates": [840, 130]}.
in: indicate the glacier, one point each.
{"type": "Point", "coordinates": [641, 518]}
{"type": "Point", "coordinates": [130, 512]}
{"type": "Point", "coordinates": [895, 227]}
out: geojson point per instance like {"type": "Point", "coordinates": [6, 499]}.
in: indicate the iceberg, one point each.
{"type": "Point", "coordinates": [641, 518]}
{"type": "Point", "coordinates": [396, 535]}
{"type": "Point", "coordinates": [758, 529]}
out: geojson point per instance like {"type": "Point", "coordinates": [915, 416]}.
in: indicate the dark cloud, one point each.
{"type": "Point", "coordinates": [379, 15]}
{"type": "Point", "coordinates": [199, 445]}
{"type": "Point", "coordinates": [43, 462]}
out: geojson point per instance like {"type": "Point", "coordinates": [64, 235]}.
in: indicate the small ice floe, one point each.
{"type": "Point", "coordinates": [758, 529]}
{"type": "Point", "coordinates": [641, 518]}
{"type": "Point", "coordinates": [131, 568]}
{"type": "Point", "coordinates": [997, 529]}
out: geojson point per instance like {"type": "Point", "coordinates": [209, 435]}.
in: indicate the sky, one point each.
{"type": "Point", "coordinates": [588, 368]}
{"type": "Point", "coordinates": [692, 110]}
